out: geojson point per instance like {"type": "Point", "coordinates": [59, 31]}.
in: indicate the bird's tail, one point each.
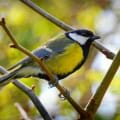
{"type": "Point", "coordinates": [7, 78]}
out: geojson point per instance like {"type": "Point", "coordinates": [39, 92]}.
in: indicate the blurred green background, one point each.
{"type": "Point", "coordinates": [32, 30]}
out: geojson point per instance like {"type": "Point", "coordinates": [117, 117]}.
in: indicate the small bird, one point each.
{"type": "Point", "coordinates": [63, 56]}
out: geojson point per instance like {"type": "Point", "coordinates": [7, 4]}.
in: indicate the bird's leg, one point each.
{"type": "Point", "coordinates": [53, 84]}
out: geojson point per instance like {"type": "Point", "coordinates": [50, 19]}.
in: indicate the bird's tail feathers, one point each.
{"type": "Point", "coordinates": [7, 78]}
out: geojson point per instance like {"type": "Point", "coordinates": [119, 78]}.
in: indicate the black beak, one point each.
{"type": "Point", "coordinates": [95, 37]}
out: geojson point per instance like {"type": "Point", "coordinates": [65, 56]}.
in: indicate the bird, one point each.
{"type": "Point", "coordinates": [62, 56]}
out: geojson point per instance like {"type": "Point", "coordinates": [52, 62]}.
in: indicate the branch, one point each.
{"type": "Point", "coordinates": [104, 50]}
{"type": "Point", "coordinates": [47, 15]}
{"type": "Point", "coordinates": [22, 112]}
{"type": "Point", "coordinates": [98, 96]}
{"type": "Point", "coordinates": [43, 66]}
{"type": "Point", "coordinates": [30, 93]}
{"type": "Point", "coordinates": [65, 27]}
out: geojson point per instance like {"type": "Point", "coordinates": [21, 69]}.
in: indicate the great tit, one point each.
{"type": "Point", "coordinates": [62, 56]}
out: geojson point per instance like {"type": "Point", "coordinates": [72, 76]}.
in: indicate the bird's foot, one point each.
{"type": "Point", "coordinates": [53, 84]}
{"type": "Point", "coordinates": [64, 97]}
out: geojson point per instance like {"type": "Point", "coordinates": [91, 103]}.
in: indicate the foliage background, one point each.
{"type": "Point", "coordinates": [32, 30]}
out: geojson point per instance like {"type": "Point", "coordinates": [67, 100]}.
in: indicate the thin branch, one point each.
{"type": "Point", "coordinates": [30, 93]}
{"type": "Point", "coordinates": [2, 23]}
{"type": "Point", "coordinates": [47, 15]}
{"type": "Point", "coordinates": [43, 66]}
{"type": "Point", "coordinates": [95, 101]}
{"type": "Point", "coordinates": [109, 54]}
{"type": "Point", "coordinates": [22, 112]}
{"type": "Point", "coordinates": [64, 26]}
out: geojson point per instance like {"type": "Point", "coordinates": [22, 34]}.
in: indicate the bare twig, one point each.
{"type": "Point", "coordinates": [22, 112]}
{"type": "Point", "coordinates": [29, 92]}
{"type": "Point", "coordinates": [98, 96]}
{"type": "Point", "coordinates": [43, 66]}
{"type": "Point", "coordinates": [65, 27]}
{"type": "Point", "coordinates": [47, 15]}
{"type": "Point", "coordinates": [109, 54]}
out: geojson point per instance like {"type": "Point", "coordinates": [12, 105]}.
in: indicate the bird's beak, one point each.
{"type": "Point", "coordinates": [95, 37]}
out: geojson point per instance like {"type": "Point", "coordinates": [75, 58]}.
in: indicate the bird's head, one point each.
{"type": "Point", "coordinates": [82, 36]}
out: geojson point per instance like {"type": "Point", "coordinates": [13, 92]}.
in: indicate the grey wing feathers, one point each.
{"type": "Point", "coordinates": [40, 52]}
{"type": "Point", "coordinates": [59, 44]}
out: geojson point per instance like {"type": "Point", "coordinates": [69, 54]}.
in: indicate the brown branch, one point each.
{"type": "Point", "coordinates": [43, 66]}
{"type": "Point", "coordinates": [64, 26]}
{"type": "Point", "coordinates": [30, 93]}
{"type": "Point", "coordinates": [95, 101]}
{"type": "Point", "coordinates": [104, 50]}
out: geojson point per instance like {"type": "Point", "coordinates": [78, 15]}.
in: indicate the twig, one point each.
{"type": "Point", "coordinates": [30, 93]}
{"type": "Point", "coordinates": [104, 50]}
{"type": "Point", "coordinates": [43, 66]}
{"type": "Point", "coordinates": [64, 26]}
{"type": "Point", "coordinates": [22, 111]}
{"type": "Point", "coordinates": [95, 101]}
{"type": "Point", "coordinates": [47, 15]}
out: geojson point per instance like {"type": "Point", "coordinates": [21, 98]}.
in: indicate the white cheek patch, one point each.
{"type": "Point", "coordinates": [78, 38]}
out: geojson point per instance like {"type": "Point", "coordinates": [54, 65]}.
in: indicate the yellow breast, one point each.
{"type": "Point", "coordinates": [66, 62]}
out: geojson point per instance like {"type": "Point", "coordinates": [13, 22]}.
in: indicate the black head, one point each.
{"type": "Point", "coordinates": [82, 36]}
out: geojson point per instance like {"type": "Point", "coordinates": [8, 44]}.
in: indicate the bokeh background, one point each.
{"type": "Point", "coordinates": [32, 30]}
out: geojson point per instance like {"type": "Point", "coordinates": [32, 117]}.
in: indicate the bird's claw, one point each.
{"type": "Point", "coordinates": [53, 84]}
{"type": "Point", "coordinates": [64, 97]}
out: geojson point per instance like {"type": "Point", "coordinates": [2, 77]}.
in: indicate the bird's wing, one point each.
{"type": "Point", "coordinates": [40, 52]}
{"type": "Point", "coordinates": [51, 48]}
